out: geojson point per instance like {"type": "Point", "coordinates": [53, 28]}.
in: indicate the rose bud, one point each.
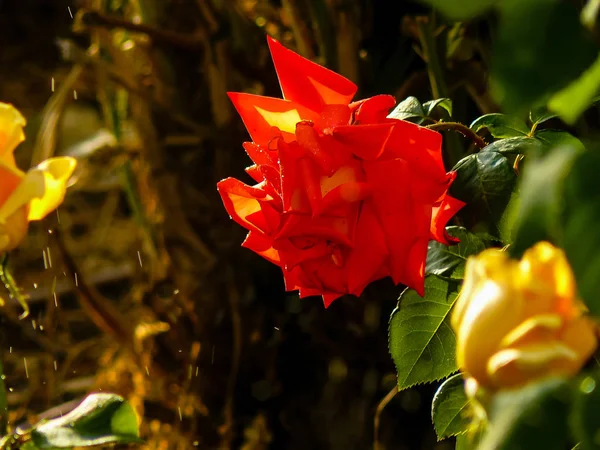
{"type": "Point", "coordinates": [519, 321]}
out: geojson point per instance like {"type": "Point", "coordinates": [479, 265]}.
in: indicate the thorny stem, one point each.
{"type": "Point", "coordinates": [459, 128]}
{"type": "Point", "coordinates": [376, 422]}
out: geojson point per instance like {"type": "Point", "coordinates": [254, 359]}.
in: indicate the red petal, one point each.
{"type": "Point", "coordinates": [442, 213]}
{"type": "Point", "coordinates": [307, 83]}
{"type": "Point", "coordinates": [365, 141]}
{"type": "Point", "coordinates": [255, 173]}
{"type": "Point", "coordinates": [292, 186]}
{"type": "Point", "coordinates": [329, 298]}
{"type": "Point", "coordinates": [259, 155]}
{"type": "Point", "coordinates": [420, 146]}
{"type": "Point", "coordinates": [373, 110]}
{"type": "Point", "coordinates": [369, 253]}
{"type": "Point", "coordinates": [344, 194]}
{"type": "Point", "coordinates": [292, 255]}
{"type": "Point", "coordinates": [333, 116]}
{"type": "Point", "coordinates": [262, 245]}
{"type": "Point", "coordinates": [406, 222]}
{"type": "Point", "coordinates": [336, 229]}
{"type": "Point", "coordinates": [311, 181]}
{"type": "Point", "coordinates": [260, 114]}
{"type": "Point", "coordinates": [248, 206]}
{"type": "Point", "coordinates": [309, 141]}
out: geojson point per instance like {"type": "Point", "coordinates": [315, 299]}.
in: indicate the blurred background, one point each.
{"type": "Point", "coordinates": [138, 285]}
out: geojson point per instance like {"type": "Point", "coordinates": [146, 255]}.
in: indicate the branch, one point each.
{"type": "Point", "coordinates": [380, 407]}
{"type": "Point", "coordinates": [97, 19]}
{"type": "Point", "coordinates": [459, 128]}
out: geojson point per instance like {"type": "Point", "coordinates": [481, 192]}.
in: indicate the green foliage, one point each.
{"type": "Point", "coordinates": [570, 102]}
{"type": "Point", "coordinates": [530, 62]}
{"type": "Point", "coordinates": [584, 417]}
{"type": "Point", "coordinates": [421, 341]}
{"type": "Point", "coordinates": [530, 418]}
{"type": "Point", "coordinates": [501, 125]}
{"type": "Point", "coordinates": [485, 182]}
{"type": "Point", "coordinates": [541, 193]}
{"type": "Point", "coordinates": [449, 261]}
{"type": "Point", "coordinates": [99, 419]}
{"type": "Point", "coordinates": [579, 226]}
{"type": "Point", "coordinates": [412, 110]}
{"type": "Point", "coordinates": [461, 9]}
{"type": "Point", "coordinates": [450, 408]}
{"type": "Point", "coordinates": [444, 103]}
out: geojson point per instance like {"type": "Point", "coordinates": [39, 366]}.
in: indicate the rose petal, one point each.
{"type": "Point", "coordinates": [260, 114]}
{"type": "Point", "coordinates": [10, 178]}
{"type": "Point", "coordinates": [372, 110]}
{"type": "Point", "coordinates": [441, 214]}
{"type": "Point", "coordinates": [11, 132]}
{"type": "Point", "coordinates": [405, 221]}
{"type": "Point", "coordinates": [333, 116]}
{"type": "Point", "coordinates": [336, 229]}
{"type": "Point", "coordinates": [369, 252]}
{"type": "Point", "coordinates": [255, 172]}
{"type": "Point", "coordinates": [307, 83]}
{"type": "Point", "coordinates": [294, 196]}
{"type": "Point", "coordinates": [365, 141]}
{"type": "Point", "coordinates": [308, 140]}
{"type": "Point", "coordinates": [262, 245]}
{"type": "Point", "coordinates": [420, 146]}
{"type": "Point", "coordinates": [248, 206]}
{"type": "Point", "coordinates": [259, 155]}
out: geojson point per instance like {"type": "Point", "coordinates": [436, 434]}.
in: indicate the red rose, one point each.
{"type": "Point", "coordinates": [345, 196]}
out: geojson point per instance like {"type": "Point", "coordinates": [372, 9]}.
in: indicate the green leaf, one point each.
{"type": "Point", "coordinates": [514, 146]}
{"type": "Point", "coordinates": [540, 115]}
{"type": "Point", "coordinates": [554, 138]}
{"type": "Point", "coordinates": [421, 341]}
{"type": "Point", "coordinates": [540, 47]}
{"type": "Point", "coordinates": [444, 103]}
{"type": "Point", "coordinates": [532, 418]}
{"type": "Point", "coordinates": [572, 101]}
{"type": "Point", "coordinates": [580, 219]}
{"type": "Point", "coordinates": [584, 418]}
{"type": "Point", "coordinates": [485, 182]}
{"type": "Point", "coordinates": [408, 108]}
{"type": "Point", "coordinates": [450, 408]}
{"type": "Point", "coordinates": [450, 259]}
{"type": "Point", "coordinates": [99, 419]}
{"type": "Point", "coordinates": [540, 199]}
{"type": "Point", "coordinates": [462, 9]}
{"type": "Point", "coordinates": [501, 125]}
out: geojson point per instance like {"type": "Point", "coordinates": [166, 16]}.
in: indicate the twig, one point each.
{"type": "Point", "coordinates": [380, 407]}
{"type": "Point", "coordinates": [459, 128]}
{"type": "Point", "coordinates": [97, 19]}
{"type": "Point", "coordinates": [99, 309]}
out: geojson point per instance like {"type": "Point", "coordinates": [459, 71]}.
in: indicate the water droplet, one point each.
{"type": "Point", "coordinates": [588, 385]}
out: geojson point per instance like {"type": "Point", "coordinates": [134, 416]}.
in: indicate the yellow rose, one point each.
{"type": "Point", "coordinates": [26, 196]}
{"type": "Point", "coordinates": [517, 321]}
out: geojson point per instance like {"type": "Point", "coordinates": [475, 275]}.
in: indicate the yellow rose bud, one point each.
{"type": "Point", "coordinates": [26, 196]}
{"type": "Point", "coordinates": [517, 321]}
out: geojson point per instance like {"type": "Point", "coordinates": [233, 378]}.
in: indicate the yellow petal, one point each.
{"type": "Point", "coordinates": [512, 367]}
{"type": "Point", "coordinates": [10, 177]}
{"type": "Point", "coordinates": [11, 132]}
{"type": "Point", "coordinates": [56, 173]}
{"type": "Point", "coordinates": [42, 188]}
{"type": "Point", "coordinates": [537, 328]}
